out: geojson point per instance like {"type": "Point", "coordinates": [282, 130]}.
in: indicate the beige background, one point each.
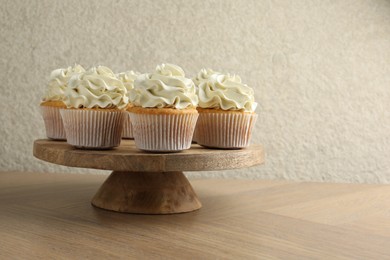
{"type": "Point", "coordinates": [320, 69]}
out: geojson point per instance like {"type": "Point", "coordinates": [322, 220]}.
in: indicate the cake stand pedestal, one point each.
{"type": "Point", "coordinates": [147, 183]}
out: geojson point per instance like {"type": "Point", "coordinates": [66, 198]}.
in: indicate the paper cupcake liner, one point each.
{"type": "Point", "coordinates": [225, 130]}
{"type": "Point", "coordinates": [93, 129]}
{"type": "Point", "coordinates": [195, 134]}
{"type": "Point", "coordinates": [163, 133]}
{"type": "Point", "coordinates": [53, 122]}
{"type": "Point", "coordinates": [127, 127]}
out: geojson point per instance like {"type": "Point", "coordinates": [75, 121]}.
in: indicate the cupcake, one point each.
{"type": "Point", "coordinates": [164, 112]}
{"type": "Point", "coordinates": [127, 79]}
{"type": "Point", "coordinates": [203, 75]}
{"type": "Point", "coordinates": [226, 112]}
{"type": "Point", "coordinates": [52, 102]}
{"type": "Point", "coordinates": [95, 113]}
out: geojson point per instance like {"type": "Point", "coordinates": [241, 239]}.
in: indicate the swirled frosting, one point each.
{"type": "Point", "coordinates": [96, 88]}
{"type": "Point", "coordinates": [167, 87]}
{"type": "Point", "coordinates": [226, 92]}
{"type": "Point", "coordinates": [203, 74]}
{"type": "Point", "coordinates": [128, 78]}
{"type": "Point", "coordinates": [58, 82]}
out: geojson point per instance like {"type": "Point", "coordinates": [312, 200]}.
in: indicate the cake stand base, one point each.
{"type": "Point", "coordinates": [147, 193]}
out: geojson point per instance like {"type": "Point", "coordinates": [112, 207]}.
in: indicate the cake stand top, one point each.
{"type": "Point", "coordinates": [127, 157]}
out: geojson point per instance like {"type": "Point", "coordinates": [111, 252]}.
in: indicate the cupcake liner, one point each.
{"type": "Point", "coordinates": [225, 130]}
{"type": "Point", "coordinates": [53, 122]}
{"type": "Point", "coordinates": [163, 132]}
{"type": "Point", "coordinates": [93, 129]}
{"type": "Point", "coordinates": [127, 127]}
{"type": "Point", "coordinates": [195, 134]}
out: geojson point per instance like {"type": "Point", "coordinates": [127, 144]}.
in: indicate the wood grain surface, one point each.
{"type": "Point", "coordinates": [127, 157]}
{"type": "Point", "coordinates": [50, 216]}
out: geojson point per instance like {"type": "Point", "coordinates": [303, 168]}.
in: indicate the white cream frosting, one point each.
{"type": "Point", "coordinates": [226, 92]}
{"type": "Point", "coordinates": [167, 87]}
{"type": "Point", "coordinates": [58, 82]}
{"type": "Point", "coordinates": [203, 74]}
{"type": "Point", "coordinates": [128, 78]}
{"type": "Point", "coordinates": [96, 88]}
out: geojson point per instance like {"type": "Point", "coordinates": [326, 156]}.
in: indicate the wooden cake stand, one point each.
{"type": "Point", "coordinates": [147, 183]}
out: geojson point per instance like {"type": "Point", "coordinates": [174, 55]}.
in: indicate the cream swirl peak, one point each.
{"type": "Point", "coordinates": [128, 78]}
{"type": "Point", "coordinates": [226, 92]}
{"type": "Point", "coordinates": [203, 75]}
{"type": "Point", "coordinates": [167, 87]}
{"type": "Point", "coordinates": [170, 70]}
{"type": "Point", "coordinates": [59, 81]}
{"type": "Point", "coordinates": [96, 88]}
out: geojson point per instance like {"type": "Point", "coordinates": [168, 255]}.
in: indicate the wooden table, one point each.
{"type": "Point", "coordinates": [49, 216]}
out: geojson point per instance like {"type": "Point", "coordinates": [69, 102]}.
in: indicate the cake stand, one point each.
{"type": "Point", "coordinates": [147, 183]}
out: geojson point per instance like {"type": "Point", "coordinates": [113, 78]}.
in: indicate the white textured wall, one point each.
{"type": "Point", "coordinates": [320, 69]}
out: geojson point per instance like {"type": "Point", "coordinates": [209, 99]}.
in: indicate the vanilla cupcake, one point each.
{"type": "Point", "coordinates": [226, 112]}
{"type": "Point", "coordinates": [203, 75]}
{"type": "Point", "coordinates": [127, 79]}
{"type": "Point", "coordinates": [164, 110]}
{"type": "Point", "coordinates": [52, 102]}
{"type": "Point", "coordinates": [95, 113]}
